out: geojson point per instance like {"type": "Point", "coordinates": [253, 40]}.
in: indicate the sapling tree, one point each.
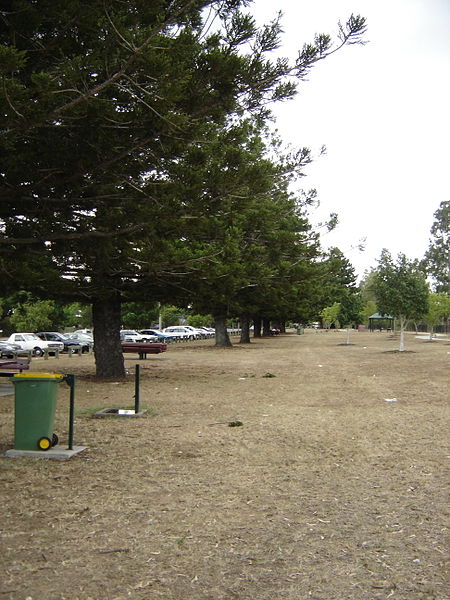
{"type": "Point", "coordinates": [330, 314]}
{"type": "Point", "coordinates": [401, 290]}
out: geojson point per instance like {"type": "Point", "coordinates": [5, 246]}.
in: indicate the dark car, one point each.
{"type": "Point", "coordinates": [66, 340]}
{"type": "Point", "coordinates": [9, 350]}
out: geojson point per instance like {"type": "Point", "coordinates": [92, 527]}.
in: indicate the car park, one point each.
{"type": "Point", "coordinates": [30, 341]}
{"type": "Point", "coordinates": [54, 336]}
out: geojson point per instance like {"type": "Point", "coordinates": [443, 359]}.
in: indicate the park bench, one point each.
{"type": "Point", "coordinates": [11, 366]}
{"type": "Point", "coordinates": [143, 348]}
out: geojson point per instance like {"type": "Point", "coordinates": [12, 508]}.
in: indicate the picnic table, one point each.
{"type": "Point", "coordinates": [11, 366]}
{"type": "Point", "coordinates": [143, 348]}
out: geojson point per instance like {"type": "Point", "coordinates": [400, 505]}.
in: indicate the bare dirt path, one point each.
{"type": "Point", "coordinates": [335, 487]}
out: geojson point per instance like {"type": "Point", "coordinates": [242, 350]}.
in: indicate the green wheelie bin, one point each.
{"type": "Point", "coordinates": [35, 404]}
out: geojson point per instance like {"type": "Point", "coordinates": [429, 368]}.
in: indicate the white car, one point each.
{"type": "Point", "coordinates": [30, 341]}
{"type": "Point", "coordinates": [209, 332]}
{"type": "Point", "coordinates": [198, 333]}
{"type": "Point", "coordinates": [85, 332]}
{"type": "Point", "coordinates": [159, 336]}
{"type": "Point", "coordinates": [130, 335]}
{"type": "Point", "coordinates": [186, 332]}
{"type": "Point", "coordinates": [180, 332]}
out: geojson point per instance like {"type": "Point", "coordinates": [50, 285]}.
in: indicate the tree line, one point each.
{"type": "Point", "coordinates": [138, 164]}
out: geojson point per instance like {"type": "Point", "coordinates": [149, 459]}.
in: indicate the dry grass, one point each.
{"type": "Point", "coordinates": [325, 492]}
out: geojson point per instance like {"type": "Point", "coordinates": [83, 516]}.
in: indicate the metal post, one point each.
{"type": "Point", "coordinates": [136, 389]}
{"type": "Point", "coordinates": [70, 380]}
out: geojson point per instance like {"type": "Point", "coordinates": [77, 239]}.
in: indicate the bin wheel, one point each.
{"type": "Point", "coordinates": [55, 439]}
{"type": "Point", "coordinates": [44, 443]}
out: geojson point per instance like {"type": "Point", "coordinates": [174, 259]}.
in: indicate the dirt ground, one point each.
{"type": "Point", "coordinates": [333, 488]}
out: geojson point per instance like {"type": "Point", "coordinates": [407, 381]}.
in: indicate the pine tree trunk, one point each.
{"type": "Point", "coordinates": [266, 327]}
{"type": "Point", "coordinates": [106, 319]}
{"type": "Point", "coordinates": [245, 330]}
{"type": "Point", "coordinates": [222, 337]}
{"type": "Point", "coordinates": [257, 322]}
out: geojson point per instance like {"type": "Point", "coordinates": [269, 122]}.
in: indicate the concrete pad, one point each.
{"type": "Point", "coordinates": [57, 452]}
{"type": "Point", "coordinates": [118, 412]}
{"type": "Point", "coordinates": [6, 389]}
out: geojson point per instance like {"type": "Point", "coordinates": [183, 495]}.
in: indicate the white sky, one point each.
{"type": "Point", "coordinates": [382, 111]}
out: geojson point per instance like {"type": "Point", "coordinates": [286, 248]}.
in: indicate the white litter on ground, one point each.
{"type": "Point", "coordinates": [390, 400]}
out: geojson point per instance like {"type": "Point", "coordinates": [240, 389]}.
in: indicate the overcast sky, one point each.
{"type": "Point", "coordinates": [382, 111]}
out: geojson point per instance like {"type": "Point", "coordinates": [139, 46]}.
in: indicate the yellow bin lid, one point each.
{"type": "Point", "coordinates": [36, 375]}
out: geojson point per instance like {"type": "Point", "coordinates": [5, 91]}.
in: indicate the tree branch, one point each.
{"type": "Point", "coordinates": [72, 236]}
{"type": "Point", "coordinates": [108, 82]}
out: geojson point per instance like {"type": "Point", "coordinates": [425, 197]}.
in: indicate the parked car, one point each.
{"type": "Point", "coordinates": [208, 331]}
{"type": "Point", "coordinates": [181, 332]}
{"type": "Point", "coordinates": [160, 335]}
{"type": "Point", "coordinates": [85, 338]}
{"type": "Point", "coordinates": [9, 350]}
{"type": "Point", "coordinates": [30, 341]}
{"type": "Point", "coordinates": [130, 335]}
{"type": "Point", "coordinates": [196, 331]}
{"type": "Point", "coordinates": [85, 332]}
{"type": "Point", "coordinates": [54, 336]}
